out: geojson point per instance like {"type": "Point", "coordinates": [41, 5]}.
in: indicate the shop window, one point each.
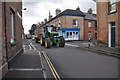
{"type": "Point", "coordinates": [73, 34]}
{"type": "Point", "coordinates": [67, 35]}
{"type": "Point", "coordinates": [76, 34]}
{"type": "Point", "coordinates": [70, 34]}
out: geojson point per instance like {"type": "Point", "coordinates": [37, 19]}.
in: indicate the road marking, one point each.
{"type": "Point", "coordinates": [23, 69]}
{"type": "Point", "coordinates": [71, 45]}
{"type": "Point", "coordinates": [44, 73]}
{"type": "Point", "coordinates": [30, 47]}
{"type": "Point", "coordinates": [33, 46]}
{"type": "Point", "coordinates": [43, 69]}
{"type": "Point", "coordinates": [53, 70]}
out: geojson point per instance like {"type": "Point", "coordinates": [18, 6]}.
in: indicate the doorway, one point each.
{"type": "Point", "coordinates": [112, 34]}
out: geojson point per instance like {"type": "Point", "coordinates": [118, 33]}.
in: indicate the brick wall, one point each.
{"type": "Point", "coordinates": [102, 27]}
{"type": "Point", "coordinates": [9, 52]}
{"type": "Point", "coordinates": [103, 20]}
{"type": "Point", "coordinates": [118, 8]}
{"type": "Point", "coordinates": [0, 39]}
{"type": "Point", "coordinates": [67, 22]}
{"type": "Point", "coordinates": [16, 7]}
{"type": "Point", "coordinates": [118, 24]}
{"type": "Point", "coordinates": [87, 29]}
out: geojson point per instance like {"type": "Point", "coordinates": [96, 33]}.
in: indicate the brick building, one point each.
{"type": "Point", "coordinates": [10, 33]}
{"type": "Point", "coordinates": [90, 26]}
{"type": "Point", "coordinates": [70, 22]}
{"type": "Point", "coordinates": [108, 22]}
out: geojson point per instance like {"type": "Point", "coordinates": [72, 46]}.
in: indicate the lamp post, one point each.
{"type": "Point", "coordinates": [22, 24]}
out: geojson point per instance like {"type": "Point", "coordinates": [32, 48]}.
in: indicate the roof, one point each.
{"type": "Point", "coordinates": [69, 28]}
{"type": "Point", "coordinates": [90, 16]}
{"type": "Point", "coordinates": [70, 12]}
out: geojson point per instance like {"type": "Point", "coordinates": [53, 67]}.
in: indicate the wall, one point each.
{"type": "Point", "coordinates": [87, 29]}
{"type": "Point", "coordinates": [118, 8]}
{"type": "Point", "coordinates": [0, 40]}
{"type": "Point", "coordinates": [9, 53]}
{"type": "Point", "coordinates": [102, 26]}
{"type": "Point", "coordinates": [104, 19]}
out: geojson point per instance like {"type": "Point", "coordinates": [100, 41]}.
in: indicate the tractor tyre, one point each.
{"type": "Point", "coordinates": [62, 42]}
{"type": "Point", "coordinates": [47, 43]}
{"type": "Point", "coordinates": [42, 43]}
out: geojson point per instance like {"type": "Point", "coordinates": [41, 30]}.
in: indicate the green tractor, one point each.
{"type": "Point", "coordinates": [50, 37]}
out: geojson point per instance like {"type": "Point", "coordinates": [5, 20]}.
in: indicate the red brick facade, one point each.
{"type": "Point", "coordinates": [89, 29]}
{"type": "Point", "coordinates": [10, 52]}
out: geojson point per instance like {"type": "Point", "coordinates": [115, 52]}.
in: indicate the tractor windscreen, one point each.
{"type": "Point", "coordinates": [52, 28]}
{"type": "Point", "coordinates": [49, 29]}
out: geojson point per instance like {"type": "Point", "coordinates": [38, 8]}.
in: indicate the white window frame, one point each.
{"type": "Point", "coordinates": [89, 35]}
{"type": "Point", "coordinates": [112, 6]}
{"type": "Point", "coordinates": [76, 22]}
{"type": "Point", "coordinates": [12, 31]}
{"type": "Point", "coordinates": [89, 24]}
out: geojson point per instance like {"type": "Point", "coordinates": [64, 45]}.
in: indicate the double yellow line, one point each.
{"type": "Point", "coordinates": [54, 72]}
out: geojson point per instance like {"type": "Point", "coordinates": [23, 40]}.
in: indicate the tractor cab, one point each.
{"type": "Point", "coordinates": [51, 28]}
{"type": "Point", "coordinates": [50, 36]}
{"type": "Point", "coordinates": [52, 31]}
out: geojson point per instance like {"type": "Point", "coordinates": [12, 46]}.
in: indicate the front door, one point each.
{"type": "Point", "coordinates": [112, 36]}
{"type": "Point", "coordinates": [112, 33]}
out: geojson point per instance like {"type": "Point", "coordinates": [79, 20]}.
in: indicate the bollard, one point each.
{"type": "Point", "coordinates": [89, 43]}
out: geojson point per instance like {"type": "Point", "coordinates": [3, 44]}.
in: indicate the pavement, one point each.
{"type": "Point", "coordinates": [27, 66]}
{"type": "Point", "coordinates": [102, 49]}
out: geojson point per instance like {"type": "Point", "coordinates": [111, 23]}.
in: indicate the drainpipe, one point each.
{"type": "Point", "coordinates": [6, 33]}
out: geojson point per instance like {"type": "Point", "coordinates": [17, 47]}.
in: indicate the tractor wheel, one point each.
{"type": "Point", "coordinates": [62, 42]}
{"type": "Point", "coordinates": [47, 43]}
{"type": "Point", "coordinates": [42, 43]}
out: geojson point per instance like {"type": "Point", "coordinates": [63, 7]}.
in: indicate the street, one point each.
{"type": "Point", "coordinates": [68, 62]}
{"type": "Point", "coordinates": [73, 62]}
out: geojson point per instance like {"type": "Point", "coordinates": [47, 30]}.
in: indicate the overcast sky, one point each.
{"type": "Point", "coordinates": [38, 10]}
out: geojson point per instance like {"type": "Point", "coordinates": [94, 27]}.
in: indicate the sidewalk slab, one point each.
{"type": "Point", "coordinates": [101, 49]}
{"type": "Point", "coordinates": [27, 66]}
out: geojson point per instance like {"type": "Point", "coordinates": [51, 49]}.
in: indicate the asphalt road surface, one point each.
{"type": "Point", "coordinates": [74, 62]}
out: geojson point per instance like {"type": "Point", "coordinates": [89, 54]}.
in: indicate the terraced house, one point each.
{"type": "Point", "coordinates": [108, 19]}
{"type": "Point", "coordinates": [10, 34]}
{"type": "Point", "coordinates": [70, 21]}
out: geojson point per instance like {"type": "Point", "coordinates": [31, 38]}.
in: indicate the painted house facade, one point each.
{"type": "Point", "coordinates": [108, 22]}
{"type": "Point", "coordinates": [90, 26]}
{"type": "Point", "coordinates": [70, 22]}
{"type": "Point", "coordinates": [10, 34]}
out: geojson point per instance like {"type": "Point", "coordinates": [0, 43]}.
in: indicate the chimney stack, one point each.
{"type": "Point", "coordinates": [50, 16]}
{"type": "Point", "coordinates": [58, 11]}
{"type": "Point", "coordinates": [42, 23]}
{"type": "Point", "coordinates": [45, 20]}
{"type": "Point", "coordinates": [78, 8]}
{"type": "Point", "coordinates": [90, 11]}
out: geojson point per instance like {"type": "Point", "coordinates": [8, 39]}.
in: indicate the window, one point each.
{"type": "Point", "coordinates": [70, 34]}
{"type": "Point", "coordinates": [89, 35]}
{"type": "Point", "coordinates": [59, 23]}
{"type": "Point", "coordinates": [75, 22]}
{"type": "Point", "coordinates": [67, 35]}
{"type": "Point", "coordinates": [76, 34]}
{"type": "Point", "coordinates": [12, 35]}
{"type": "Point", "coordinates": [112, 6]}
{"type": "Point", "coordinates": [113, 24]}
{"type": "Point", "coordinates": [89, 24]}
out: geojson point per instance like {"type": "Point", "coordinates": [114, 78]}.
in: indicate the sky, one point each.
{"type": "Point", "coordinates": [37, 10]}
